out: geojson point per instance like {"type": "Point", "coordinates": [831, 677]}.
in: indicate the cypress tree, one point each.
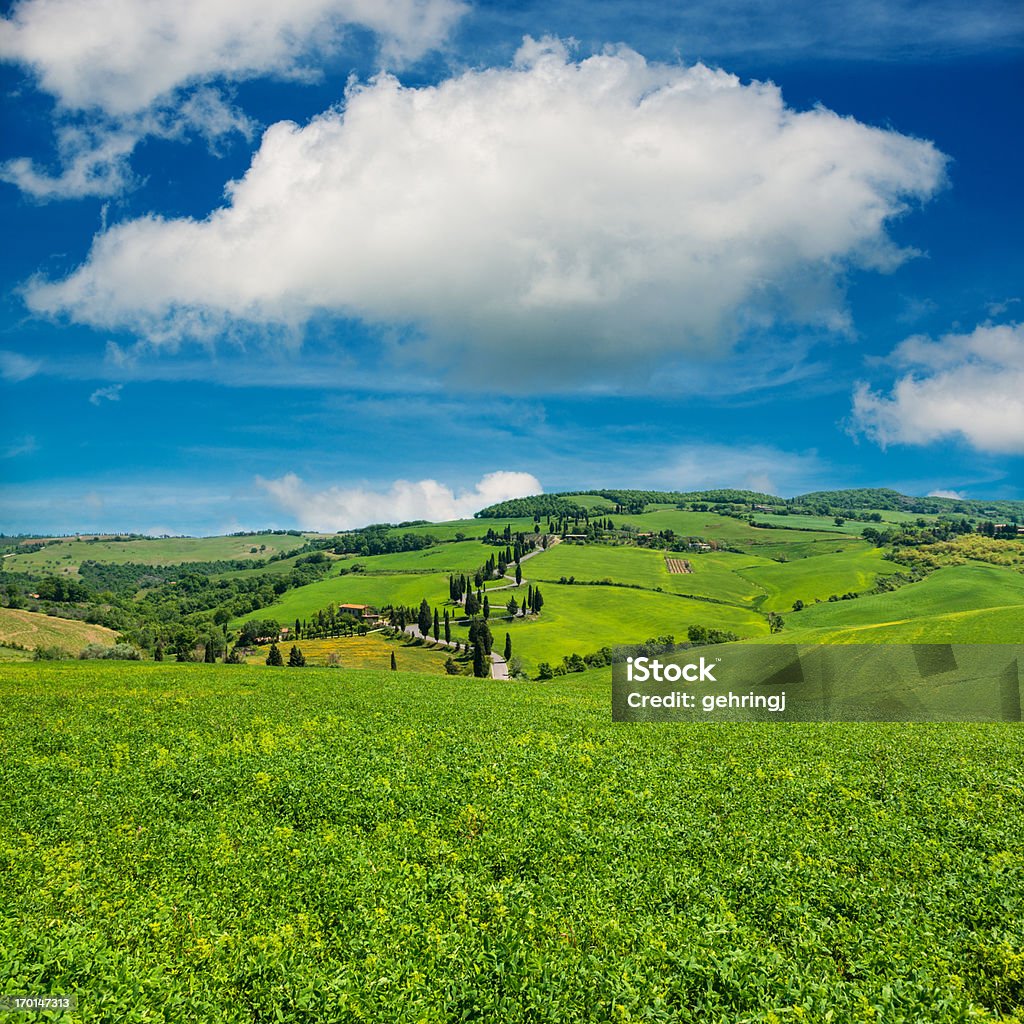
{"type": "Point", "coordinates": [437, 626]}
{"type": "Point", "coordinates": [479, 662]}
{"type": "Point", "coordinates": [508, 647]}
{"type": "Point", "coordinates": [519, 574]}
{"type": "Point", "coordinates": [487, 608]}
{"type": "Point", "coordinates": [274, 656]}
{"type": "Point", "coordinates": [447, 628]}
{"type": "Point", "coordinates": [394, 662]}
{"type": "Point", "coordinates": [424, 620]}
{"type": "Point", "coordinates": [296, 659]}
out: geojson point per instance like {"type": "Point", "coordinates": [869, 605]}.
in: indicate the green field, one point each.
{"type": "Point", "coordinates": [583, 619]}
{"type": "Point", "coordinates": [718, 575]}
{"type": "Point", "coordinates": [355, 588]}
{"type": "Point", "coordinates": [458, 556]}
{"type": "Point", "coordinates": [189, 843]}
{"type": "Point", "coordinates": [67, 555]}
{"type": "Point", "coordinates": [962, 604]}
{"type": "Point", "coordinates": [817, 577]}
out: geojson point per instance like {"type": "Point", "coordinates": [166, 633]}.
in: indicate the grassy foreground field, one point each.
{"type": "Point", "coordinates": [213, 843]}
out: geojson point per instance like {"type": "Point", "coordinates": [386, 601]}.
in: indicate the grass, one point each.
{"type": "Point", "coordinates": [34, 629]}
{"type": "Point", "coordinates": [715, 574]}
{"type": "Point", "coordinates": [366, 653]}
{"type": "Point", "coordinates": [355, 588]}
{"type": "Point", "coordinates": [817, 577]}
{"type": "Point", "coordinates": [962, 604]}
{"type": "Point", "coordinates": [189, 843]}
{"type": "Point", "coordinates": [67, 555]}
{"type": "Point", "coordinates": [583, 619]}
{"type": "Point", "coordinates": [459, 556]}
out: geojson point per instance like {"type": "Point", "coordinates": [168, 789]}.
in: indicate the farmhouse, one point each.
{"type": "Point", "coordinates": [364, 612]}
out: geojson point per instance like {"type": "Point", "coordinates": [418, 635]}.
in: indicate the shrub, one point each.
{"type": "Point", "coordinates": [50, 654]}
{"type": "Point", "coordinates": [119, 652]}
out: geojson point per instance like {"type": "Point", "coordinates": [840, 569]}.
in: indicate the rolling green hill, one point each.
{"type": "Point", "coordinates": [961, 604]}
{"type": "Point", "coordinates": [66, 555]}
{"type": "Point", "coordinates": [33, 629]}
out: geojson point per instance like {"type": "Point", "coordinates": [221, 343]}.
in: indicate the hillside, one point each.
{"type": "Point", "coordinates": [571, 503]}
{"type": "Point", "coordinates": [738, 564]}
{"type": "Point", "coordinates": [33, 629]}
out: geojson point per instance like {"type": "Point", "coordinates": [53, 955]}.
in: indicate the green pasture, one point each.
{"type": "Point", "coordinates": [961, 604]}
{"type": "Point", "coordinates": [69, 554]}
{"type": "Point", "coordinates": [191, 844]}
{"type": "Point", "coordinates": [822, 524]}
{"type": "Point", "coordinates": [738, 533]}
{"type": "Point", "coordinates": [583, 619]}
{"type": "Point", "coordinates": [458, 556]}
{"type": "Point", "coordinates": [817, 577]}
{"type": "Point", "coordinates": [715, 573]}
{"type": "Point", "coordinates": [355, 588]}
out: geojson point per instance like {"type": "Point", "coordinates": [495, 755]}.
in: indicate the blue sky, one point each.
{"type": "Point", "coordinates": [328, 263]}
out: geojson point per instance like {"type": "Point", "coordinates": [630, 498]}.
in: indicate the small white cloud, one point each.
{"type": "Point", "coordinates": [344, 508]}
{"type": "Point", "coordinates": [967, 387]}
{"type": "Point", "coordinates": [594, 218]}
{"type": "Point", "coordinates": [15, 367]}
{"type": "Point", "coordinates": [112, 393]}
{"type": "Point", "coordinates": [958, 495]}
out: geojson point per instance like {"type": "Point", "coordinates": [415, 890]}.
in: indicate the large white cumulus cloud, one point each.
{"type": "Point", "coordinates": [609, 209]}
{"type": "Point", "coordinates": [966, 387]}
{"type": "Point", "coordinates": [345, 508]}
{"type": "Point", "coordinates": [121, 55]}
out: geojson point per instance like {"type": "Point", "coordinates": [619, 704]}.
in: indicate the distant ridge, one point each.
{"type": "Point", "coordinates": [814, 502]}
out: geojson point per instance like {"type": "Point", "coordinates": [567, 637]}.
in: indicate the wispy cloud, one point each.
{"type": "Point", "coordinates": [25, 446]}
{"type": "Point", "coordinates": [15, 367]}
{"type": "Point", "coordinates": [112, 393]}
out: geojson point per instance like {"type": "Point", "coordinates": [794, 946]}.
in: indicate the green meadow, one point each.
{"type": "Point", "coordinates": [68, 554]}
{"type": "Point", "coordinates": [581, 619]}
{"type": "Point", "coordinates": [817, 577]}
{"type": "Point", "coordinates": [355, 588]}
{"type": "Point", "coordinates": [191, 843]}
{"type": "Point", "coordinates": [961, 604]}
